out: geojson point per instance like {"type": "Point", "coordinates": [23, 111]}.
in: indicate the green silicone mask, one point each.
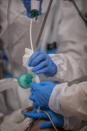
{"type": "Point", "coordinates": [24, 80]}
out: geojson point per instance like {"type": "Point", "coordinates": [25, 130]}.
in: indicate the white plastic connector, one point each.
{"type": "Point", "coordinates": [26, 57]}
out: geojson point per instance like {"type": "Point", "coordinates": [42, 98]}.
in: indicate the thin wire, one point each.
{"type": "Point", "coordinates": [51, 120]}
{"type": "Point", "coordinates": [31, 42]}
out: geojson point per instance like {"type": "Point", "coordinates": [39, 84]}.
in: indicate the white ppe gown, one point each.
{"type": "Point", "coordinates": [72, 99]}
{"type": "Point", "coordinates": [14, 35]}
{"type": "Point", "coordinates": [70, 33]}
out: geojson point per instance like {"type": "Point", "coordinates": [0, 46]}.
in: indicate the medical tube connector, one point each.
{"type": "Point", "coordinates": [35, 8]}
{"type": "Point", "coordinates": [24, 80]}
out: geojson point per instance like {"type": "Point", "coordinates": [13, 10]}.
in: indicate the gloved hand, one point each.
{"type": "Point", "coordinates": [40, 93]}
{"type": "Point", "coordinates": [15, 122]}
{"type": "Point", "coordinates": [57, 119]}
{"type": "Point", "coordinates": [27, 4]}
{"type": "Point", "coordinates": [43, 64]}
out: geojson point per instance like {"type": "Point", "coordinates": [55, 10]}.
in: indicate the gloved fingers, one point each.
{"type": "Point", "coordinates": [27, 4]}
{"type": "Point", "coordinates": [35, 105]}
{"type": "Point", "coordinates": [27, 114]}
{"type": "Point", "coordinates": [40, 66]}
{"type": "Point", "coordinates": [42, 71]}
{"type": "Point", "coordinates": [35, 110]}
{"type": "Point", "coordinates": [34, 86]}
{"type": "Point", "coordinates": [32, 58]}
{"type": "Point", "coordinates": [39, 59]}
{"type": "Point", "coordinates": [45, 125]}
{"type": "Point", "coordinates": [36, 115]}
{"type": "Point", "coordinates": [32, 97]}
{"type": "Point", "coordinates": [44, 109]}
{"type": "Point", "coordinates": [31, 91]}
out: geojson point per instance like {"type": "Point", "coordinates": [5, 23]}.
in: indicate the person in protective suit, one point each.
{"type": "Point", "coordinates": [68, 64]}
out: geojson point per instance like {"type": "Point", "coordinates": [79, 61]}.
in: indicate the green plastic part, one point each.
{"type": "Point", "coordinates": [24, 80]}
{"type": "Point", "coordinates": [34, 13]}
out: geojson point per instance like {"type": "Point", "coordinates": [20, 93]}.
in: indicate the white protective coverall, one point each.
{"type": "Point", "coordinates": [71, 43]}
{"type": "Point", "coordinates": [14, 33]}
{"type": "Point", "coordinates": [73, 99]}
{"type": "Point", "coordinates": [12, 97]}
{"type": "Point", "coordinates": [71, 58]}
{"type": "Point", "coordinates": [69, 31]}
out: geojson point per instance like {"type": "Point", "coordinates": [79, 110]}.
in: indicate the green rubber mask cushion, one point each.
{"type": "Point", "coordinates": [24, 80]}
{"type": "Point", "coordinates": [34, 13]}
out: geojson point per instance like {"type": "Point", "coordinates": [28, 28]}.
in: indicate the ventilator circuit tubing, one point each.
{"type": "Point", "coordinates": [31, 42]}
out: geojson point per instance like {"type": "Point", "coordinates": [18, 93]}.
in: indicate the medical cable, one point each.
{"type": "Point", "coordinates": [51, 120]}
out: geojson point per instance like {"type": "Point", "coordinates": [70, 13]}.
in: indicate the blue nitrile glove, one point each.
{"type": "Point", "coordinates": [27, 4]}
{"type": "Point", "coordinates": [42, 64]}
{"type": "Point", "coordinates": [33, 112]}
{"type": "Point", "coordinates": [57, 119]}
{"type": "Point", "coordinates": [40, 93]}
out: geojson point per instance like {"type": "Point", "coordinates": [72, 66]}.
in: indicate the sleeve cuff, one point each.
{"type": "Point", "coordinates": [54, 102]}
{"type": "Point", "coordinates": [61, 63]}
